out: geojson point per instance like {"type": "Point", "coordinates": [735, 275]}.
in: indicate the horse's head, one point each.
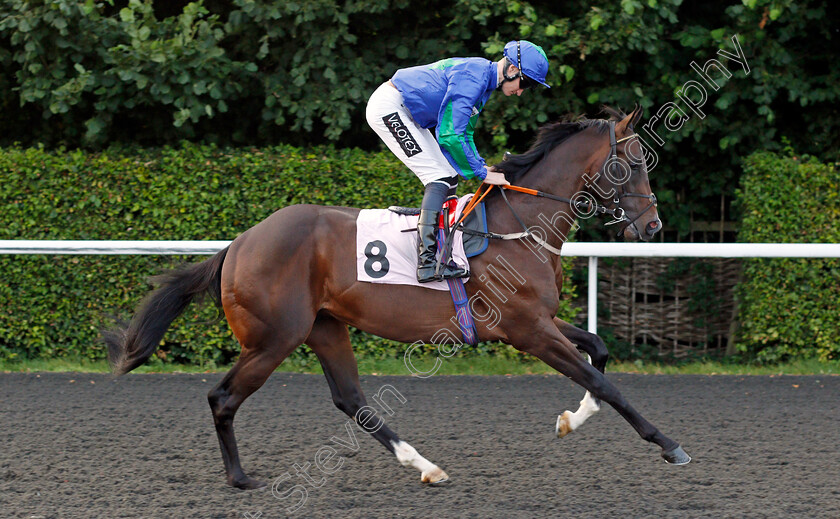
{"type": "Point", "coordinates": [601, 162]}
{"type": "Point", "coordinates": [622, 182]}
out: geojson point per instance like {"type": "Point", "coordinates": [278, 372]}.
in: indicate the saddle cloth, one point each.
{"type": "Point", "coordinates": [385, 254]}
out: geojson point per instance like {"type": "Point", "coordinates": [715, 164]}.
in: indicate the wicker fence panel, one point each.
{"type": "Point", "coordinates": [677, 308]}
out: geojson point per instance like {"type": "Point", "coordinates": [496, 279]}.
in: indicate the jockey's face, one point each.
{"type": "Point", "coordinates": [512, 87]}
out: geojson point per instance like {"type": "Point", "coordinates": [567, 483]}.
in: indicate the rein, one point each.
{"type": "Point", "coordinates": [618, 213]}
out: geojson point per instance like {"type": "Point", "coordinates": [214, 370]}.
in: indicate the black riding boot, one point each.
{"type": "Point", "coordinates": [427, 227]}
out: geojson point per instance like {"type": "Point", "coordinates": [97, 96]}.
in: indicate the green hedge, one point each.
{"type": "Point", "coordinates": [789, 307]}
{"type": "Point", "coordinates": [54, 305]}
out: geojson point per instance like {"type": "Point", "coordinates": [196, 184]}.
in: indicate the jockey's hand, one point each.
{"type": "Point", "coordinates": [495, 177]}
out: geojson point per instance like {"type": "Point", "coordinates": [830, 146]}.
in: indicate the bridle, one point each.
{"type": "Point", "coordinates": [618, 213]}
{"type": "Point", "coordinates": [611, 162]}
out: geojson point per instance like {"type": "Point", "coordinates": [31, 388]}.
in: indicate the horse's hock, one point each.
{"type": "Point", "coordinates": [677, 305]}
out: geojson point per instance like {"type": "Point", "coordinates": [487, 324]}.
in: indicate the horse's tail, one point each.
{"type": "Point", "coordinates": [130, 346]}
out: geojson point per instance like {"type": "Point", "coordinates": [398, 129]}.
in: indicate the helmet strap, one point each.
{"type": "Point", "coordinates": [504, 72]}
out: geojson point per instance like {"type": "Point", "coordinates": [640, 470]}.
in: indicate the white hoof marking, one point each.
{"type": "Point", "coordinates": [409, 457]}
{"type": "Point", "coordinates": [568, 421]}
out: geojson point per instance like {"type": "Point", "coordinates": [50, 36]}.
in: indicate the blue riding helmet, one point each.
{"type": "Point", "coordinates": [529, 59]}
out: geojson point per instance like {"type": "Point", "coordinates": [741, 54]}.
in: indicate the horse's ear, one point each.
{"type": "Point", "coordinates": [629, 121]}
{"type": "Point", "coordinates": [637, 114]}
{"type": "Point", "coordinates": [621, 126]}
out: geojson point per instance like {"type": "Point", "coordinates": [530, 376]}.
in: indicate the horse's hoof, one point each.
{"type": "Point", "coordinates": [676, 456]}
{"type": "Point", "coordinates": [435, 477]}
{"type": "Point", "coordinates": [563, 428]}
{"type": "Point", "coordinates": [246, 483]}
{"type": "Point", "coordinates": [442, 483]}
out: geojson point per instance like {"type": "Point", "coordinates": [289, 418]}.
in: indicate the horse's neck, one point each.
{"type": "Point", "coordinates": [559, 174]}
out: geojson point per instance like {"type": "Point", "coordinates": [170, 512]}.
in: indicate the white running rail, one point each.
{"type": "Point", "coordinates": [591, 250]}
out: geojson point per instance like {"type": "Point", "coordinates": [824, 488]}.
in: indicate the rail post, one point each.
{"type": "Point", "coordinates": [592, 296]}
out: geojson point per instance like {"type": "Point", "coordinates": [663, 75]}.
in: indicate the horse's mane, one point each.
{"type": "Point", "coordinates": [549, 137]}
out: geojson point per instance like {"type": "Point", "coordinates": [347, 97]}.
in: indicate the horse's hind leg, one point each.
{"type": "Point", "coordinates": [598, 356]}
{"type": "Point", "coordinates": [263, 349]}
{"type": "Point", "coordinates": [330, 341]}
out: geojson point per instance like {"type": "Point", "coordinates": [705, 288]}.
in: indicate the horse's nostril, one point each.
{"type": "Point", "coordinates": [653, 226]}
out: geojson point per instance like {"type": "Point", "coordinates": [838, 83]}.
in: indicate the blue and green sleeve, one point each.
{"type": "Point", "coordinates": [456, 124]}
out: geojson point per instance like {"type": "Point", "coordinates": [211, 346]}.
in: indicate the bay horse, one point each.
{"type": "Point", "coordinates": [291, 279]}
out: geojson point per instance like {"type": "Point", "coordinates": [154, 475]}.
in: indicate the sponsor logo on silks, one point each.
{"type": "Point", "coordinates": [401, 133]}
{"type": "Point", "coordinates": [474, 111]}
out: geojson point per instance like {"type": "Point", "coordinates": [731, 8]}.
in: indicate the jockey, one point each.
{"type": "Point", "coordinates": [447, 96]}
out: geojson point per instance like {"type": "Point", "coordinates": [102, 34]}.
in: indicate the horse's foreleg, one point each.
{"type": "Point", "coordinates": [568, 421]}
{"type": "Point", "coordinates": [550, 346]}
{"type": "Point", "coordinates": [330, 341]}
{"type": "Point", "coordinates": [588, 342]}
{"type": "Point", "coordinates": [598, 356]}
